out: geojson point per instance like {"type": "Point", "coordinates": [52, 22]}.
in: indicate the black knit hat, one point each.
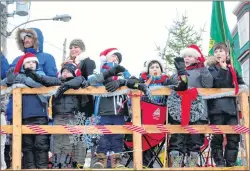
{"type": "Point", "coordinates": [72, 68]}
{"type": "Point", "coordinates": [119, 56]}
{"type": "Point", "coordinates": [79, 43]}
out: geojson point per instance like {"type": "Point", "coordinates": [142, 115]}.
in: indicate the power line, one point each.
{"type": "Point", "coordinates": [53, 45]}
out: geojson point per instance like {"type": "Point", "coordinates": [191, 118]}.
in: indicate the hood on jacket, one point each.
{"type": "Point", "coordinates": [38, 39]}
{"type": "Point", "coordinates": [211, 60]}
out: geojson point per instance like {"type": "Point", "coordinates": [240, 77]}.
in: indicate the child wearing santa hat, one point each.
{"type": "Point", "coordinates": [66, 154]}
{"type": "Point", "coordinates": [35, 148]}
{"type": "Point", "coordinates": [112, 111]}
{"type": "Point", "coordinates": [223, 111]}
{"type": "Point", "coordinates": [189, 108]}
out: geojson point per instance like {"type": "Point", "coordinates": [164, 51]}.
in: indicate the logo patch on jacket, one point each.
{"type": "Point", "coordinates": [156, 114]}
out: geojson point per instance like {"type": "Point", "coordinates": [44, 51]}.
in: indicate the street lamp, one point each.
{"type": "Point", "coordinates": [64, 18]}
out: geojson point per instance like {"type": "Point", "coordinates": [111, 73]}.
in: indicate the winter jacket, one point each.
{"type": "Point", "coordinates": [222, 79]}
{"type": "Point", "coordinates": [4, 66]}
{"type": "Point", "coordinates": [87, 67]}
{"type": "Point", "coordinates": [68, 104]}
{"type": "Point", "coordinates": [46, 61]}
{"type": "Point", "coordinates": [200, 78]}
{"type": "Point", "coordinates": [114, 105]}
{"type": "Point", "coordinates": [32, 105]}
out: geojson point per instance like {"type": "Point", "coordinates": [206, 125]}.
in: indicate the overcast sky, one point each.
{"type": "Point", "coordinates": [133, 27]}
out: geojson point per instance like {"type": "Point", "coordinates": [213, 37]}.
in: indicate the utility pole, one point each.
{"type": "Point", "coordinates": [64, 49]}
{"type": "Point", "coordinates": [3, 24]}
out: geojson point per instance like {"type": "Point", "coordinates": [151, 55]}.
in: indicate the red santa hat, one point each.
{"type": "Point", "coordinates": [158, 60]}
{"type": "Point", "coordinates": [193, 50]}
{"type": "Point", "coordinates": [104, 55]}
{"type": "Point", "coordinates": [23, 59]}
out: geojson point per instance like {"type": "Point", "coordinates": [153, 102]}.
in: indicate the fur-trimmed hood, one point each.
{"type": "Point", "coordinates": [38, 36]}
{"type": "Point", "coordinates": [211, 60]}
{"type": "Point", "coordinates": [78, 59]}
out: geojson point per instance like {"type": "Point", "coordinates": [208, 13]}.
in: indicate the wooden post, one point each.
{"type": "Point", "coordinates": [17, 130]}
{"type": "Point", "coordinates": [137, 138]}
{"type": "Point", "coordinates": [244, 104]}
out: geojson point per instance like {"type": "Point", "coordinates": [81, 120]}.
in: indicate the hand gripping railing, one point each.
{"type": "Point", "coordinates": [17, 129]}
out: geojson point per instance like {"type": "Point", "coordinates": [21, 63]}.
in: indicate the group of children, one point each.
{"type": "Point", "coordinates": [185, 106]}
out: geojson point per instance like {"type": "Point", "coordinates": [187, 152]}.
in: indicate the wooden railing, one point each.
{"type": "Point", "coordinates": [17, 129]}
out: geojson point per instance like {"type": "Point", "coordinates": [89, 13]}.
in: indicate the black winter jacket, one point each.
{"type": "Point", "coordinates": [67, 104]}
{"type": "Point", "coordinates": [87, 67]}
{"type": "Point", "coordinates": [222, 79]}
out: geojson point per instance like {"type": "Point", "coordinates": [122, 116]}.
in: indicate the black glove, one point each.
{"type": "Point", "coordinates": [33, 75]}
{"type": "Point", "coordinates": [144, 88]}
{"type": "Point", "coordinates": [109, 79]}
{"type": "Point", "coordinates": [61, 90]}
{"type": "Point", "coordinates": [131, 82]}
{"type": "Point", "coordinates": [180, 66]}
{"type": "Point", "coordinates": [10, 76]}
{"type": "Point", "coordinates": [113, 71]}
{"type": "Point", "coordinates": [75, 83]}
{"type": "Point", "coordinates": [114, 85]}
{"type": "Point", "coordinates": [43, 79]}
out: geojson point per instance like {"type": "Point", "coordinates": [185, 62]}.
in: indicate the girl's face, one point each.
{"type": "Point", "coordinates": [75, 51]}
{"type": "Point", "coordinates": [113, 58]}
{"type": "Point", "coordinates": [155, 69]}
{"type": "Point", "coordinates": [66, 74]}
{"type": "Point", "coordinates": [220, 54]}
{"type": "Point", "coordinates": [189, 60]}
{"type": "Point", "coordinates": [30, 64]}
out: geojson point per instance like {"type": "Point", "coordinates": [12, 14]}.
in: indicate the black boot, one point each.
{"type": "Point", "coordinates": [55, 161]}
{"type": "Point", "coordinates": [231, 157]}
{"type": "Point", "coordinates": [62, 160]}
{"type": "Point", "coordinates": [217, 155]}
{"type": "Point", "coordinates": [29, 160]}
{"type": "Point", "coordinates": [42, 159]}
{"type": "Point", "coordinates": [147, 156]}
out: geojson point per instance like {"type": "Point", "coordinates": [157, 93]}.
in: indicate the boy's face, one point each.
{"type": "Point", "coordinates": [220, 54]}
{"type": "Point", "coordinates": [66, 74]}
{"type": "Point", "coordinates": [113, 58]}
{"type": "Point", "coordinates": [30, 64]}
{"type": "Point", "coordinates": [189, 60]}
{"type": "Point", "coordinates": [155, 69]}
{"type": "Point", "coordinates": [75, 51]}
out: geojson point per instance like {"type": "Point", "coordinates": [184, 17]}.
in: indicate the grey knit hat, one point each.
{"type": "Point", "coordinates": [77, 42]}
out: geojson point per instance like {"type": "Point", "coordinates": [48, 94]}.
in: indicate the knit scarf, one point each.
{"type": "Point", "coordinates": [234, 78]}
{"type": "Point", "coordinates": [195, 65]}
{"type": "Point", "coordinates": [187, 96]}
{"type": "Point", "coordinates": [155, 79]}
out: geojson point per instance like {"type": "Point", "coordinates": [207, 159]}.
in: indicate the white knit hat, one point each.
{"type": "Point", "coordinates": [158, 60]}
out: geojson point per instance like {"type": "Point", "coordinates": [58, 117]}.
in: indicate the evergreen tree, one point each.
{"type": "Point", "coordinates": [180, 35]}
